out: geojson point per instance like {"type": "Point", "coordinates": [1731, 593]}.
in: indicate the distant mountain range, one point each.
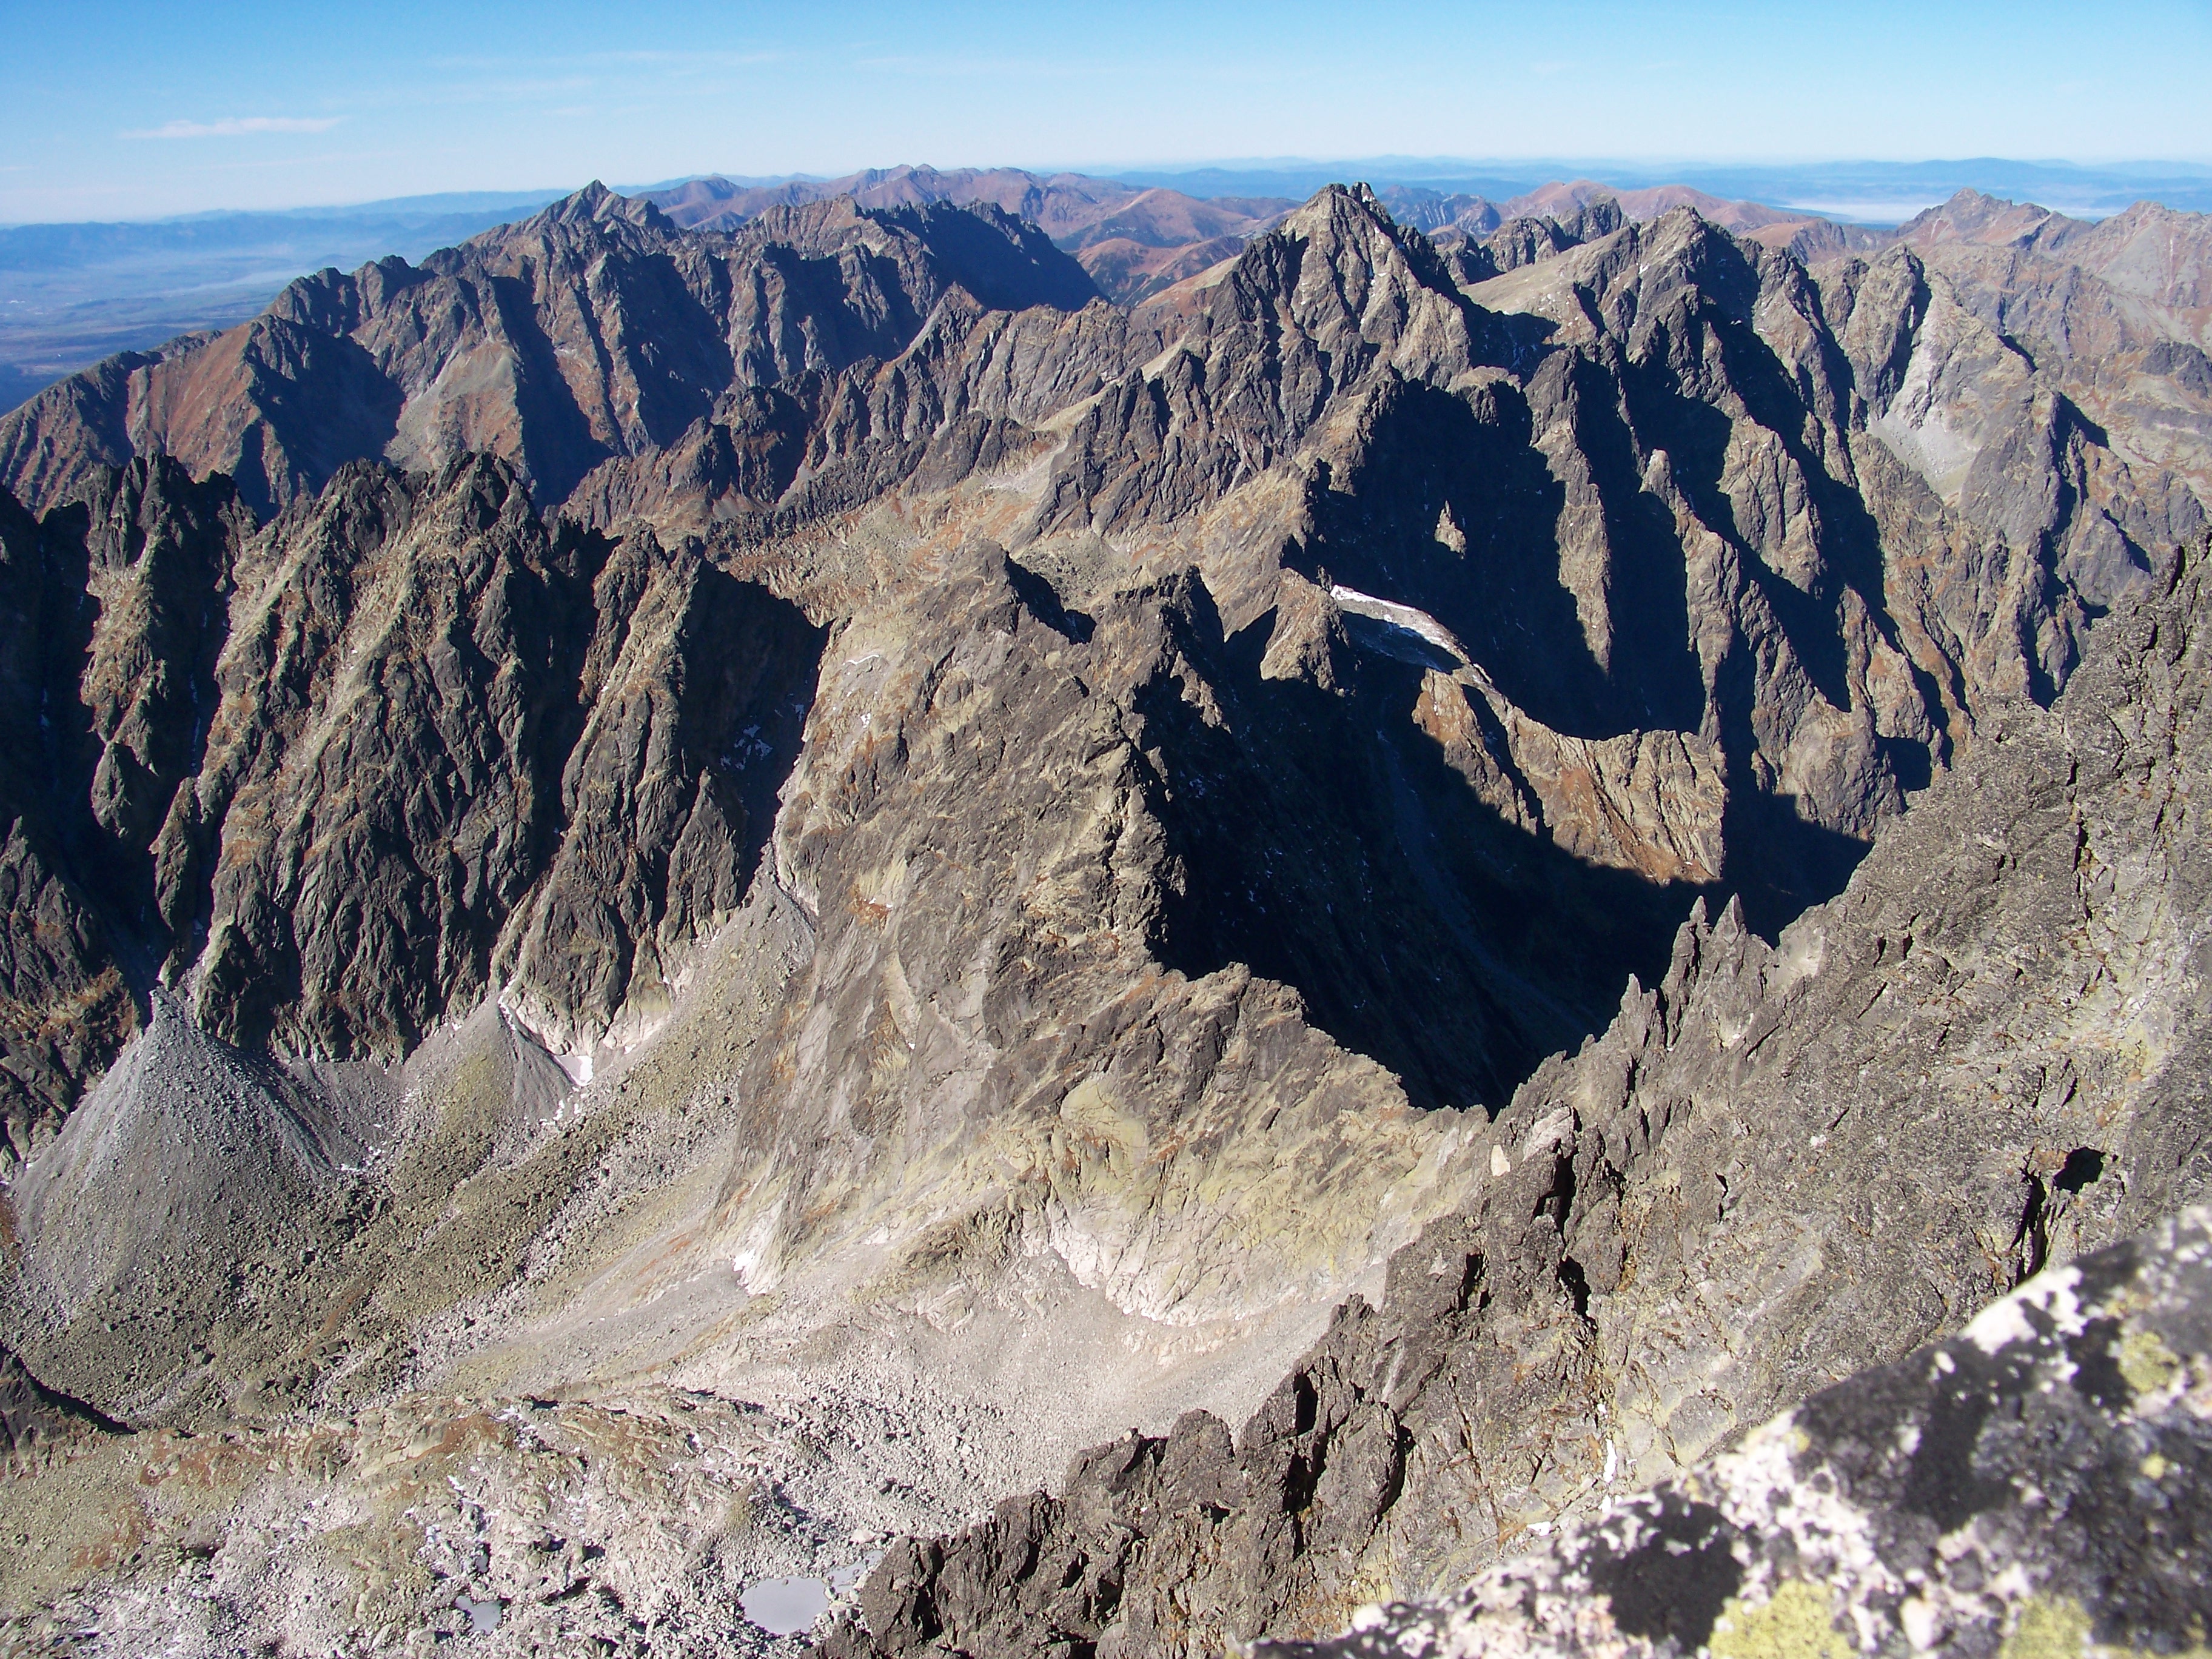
{"type": "Point", "coordinates": [1872, 192]}
{"type": "Point", "coordinates": [1133, 239]}
{"type": "Point", "coordinates": [72, 294]}
{"type": "Point", "coordinates": [688, 909]}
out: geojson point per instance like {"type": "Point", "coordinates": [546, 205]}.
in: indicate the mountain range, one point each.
{"type": "Point", "coordinates": [699, 891]}
{"type": "Point", "coordinates": [73, 293]}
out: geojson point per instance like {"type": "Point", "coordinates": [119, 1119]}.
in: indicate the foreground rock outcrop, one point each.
{"type": "Point", "coordinates": [1786, 1162]}
{"type": "Point", "coordinates": [2039, 1484]}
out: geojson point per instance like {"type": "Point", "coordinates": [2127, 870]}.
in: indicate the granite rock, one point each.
{"type": "Point", "coordinates": [1786, 1163]}
{"type": "Point", "coordinates": [2035, 1485]}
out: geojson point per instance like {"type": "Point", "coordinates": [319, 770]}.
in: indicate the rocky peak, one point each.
{"type": "Point", "coordinates": [1972, 216]}
{"type": "Point", "coordinates": [1659, 268]}
{"type": "Point", "coordinates": [152, 504]}
{"type": "Point", "coordinates": [974, 807]}
{"type": "Point", "coordinates": [813, 227]}
{"type": "Point", "coordinates": [596, 204]}
{"type": "Point", "coordinates": [1487, 250]}
{"type": "Point", "coordinates": [631, 330]}
{"type": "Point", "coordinates": [568, 236]}
{"type": "Point", "coordinates": [1348, 243]}
{"type": "Point", "coordinates": [1311, 317]}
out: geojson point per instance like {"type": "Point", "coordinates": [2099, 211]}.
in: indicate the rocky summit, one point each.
{"type": "Point", "coordinates": [781, 930]}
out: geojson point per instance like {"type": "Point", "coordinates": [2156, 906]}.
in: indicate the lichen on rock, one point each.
{"type": "Point", "coordinates": [2037, 1487]}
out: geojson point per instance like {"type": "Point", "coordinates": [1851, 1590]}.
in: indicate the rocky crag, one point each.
{"type": "Point", "coordinates": [1784, 1163]}
{"type": "Point", "coordinates": [1132, 241]}
{"type": "Point", "coordinates": [2037, 1486]}
{"type": "Point", "coordinates": [812, 857]}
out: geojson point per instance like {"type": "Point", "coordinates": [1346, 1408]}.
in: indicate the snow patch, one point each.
{"type": "Point", "coordinates": [1403, 617]}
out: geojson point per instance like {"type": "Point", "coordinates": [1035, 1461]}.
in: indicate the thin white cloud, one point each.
{"type": "Point", "coordinates": [958, 64]}
{"type": "Point", "coordinates": [238, 127]}
{"type": "Point", "coordinates": [665, 60]}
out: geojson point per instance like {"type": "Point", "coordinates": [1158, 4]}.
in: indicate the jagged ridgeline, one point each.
{"type": "Point", "coordinates": [635, 805]}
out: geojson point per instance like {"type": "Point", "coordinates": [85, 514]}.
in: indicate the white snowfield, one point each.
{"type": "Point", "coordinates": [1405, 618]}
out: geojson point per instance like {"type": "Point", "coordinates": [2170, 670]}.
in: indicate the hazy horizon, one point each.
{"type": "Point", "coordinates": [1796, 185]}
{"type": "Point", "coordinates": [244, 108]}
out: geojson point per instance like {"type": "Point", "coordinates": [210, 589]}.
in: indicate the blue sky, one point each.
{"type": "Point", "coordinates": [129, 111]}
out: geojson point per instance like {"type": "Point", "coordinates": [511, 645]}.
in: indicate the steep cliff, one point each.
{"type": "Point", "coordinates": [1787, 1162]}
{"type": "Point", "coordinates": [811, 815]}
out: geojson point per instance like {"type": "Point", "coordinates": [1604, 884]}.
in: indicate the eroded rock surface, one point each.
{"type": "Point", "coordinates": [913, 839]}
{"type": "Point", "coordinates": [1787, 1163]}
{"type": "Point", "coordinates": [2038, 1485]}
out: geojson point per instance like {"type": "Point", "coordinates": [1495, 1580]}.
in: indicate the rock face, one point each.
{"type": "Point", "coordinates": [2039, 1484]}
{"type": "Point", "coordinates": [337, 778]}
{"type": "Point", "coordinates": [595, 329]}
{"type": "Point", "coordinates": [479, 735]}
{"type": "Point", "coordinates": [1787, 1163]}
{"type": "Point", "coordinates": [67, 1008]}
{"type": "Point", "coordinates": [814, 809]}
{"type": "Point", "coordinates": [1132, 241]}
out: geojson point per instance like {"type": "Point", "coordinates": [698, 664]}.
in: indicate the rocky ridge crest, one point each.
{"type": "Point", "coordinates": [969, 820]}
{"type": "Point", "coordinates": [2030, 1486]}
{"type": "Point", "coordinates": [1786, 1162]}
